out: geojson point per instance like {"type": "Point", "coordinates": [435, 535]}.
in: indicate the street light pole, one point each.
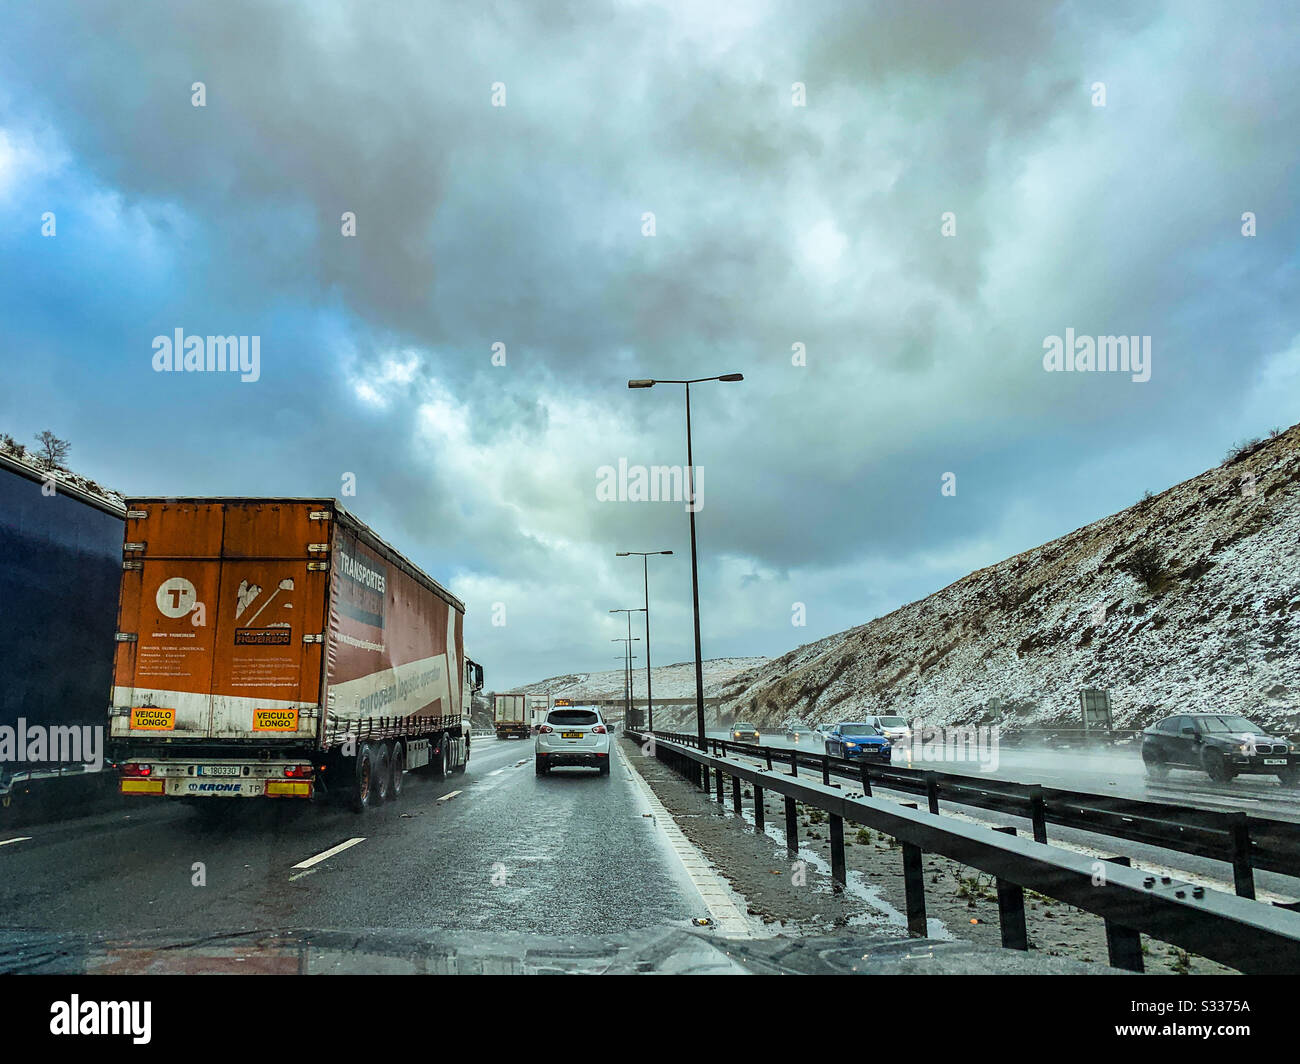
{"type": "Point", "coordinates": [691, 507]}
{"type": "Point", "coordinates": [627, 675]}
{"type": "Point", "coordinates": [695, 578]}
{"type": "Point", "coordinates": [645, 577]}
{"type": "Point", "coordinates": [627, 665]}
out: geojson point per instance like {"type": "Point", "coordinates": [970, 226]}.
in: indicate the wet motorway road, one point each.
{"type": "Point", "coordinates": [1116, 771]}
{"type": "Point", "coordinates": [563, 854]}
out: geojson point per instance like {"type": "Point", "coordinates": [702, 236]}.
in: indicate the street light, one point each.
{"type": "Point", "coordinates": [645, 576]}
{"type": "Point", "coordinates": [627, 660]}
{"type": "Point", "coordinates": [690, 507]}
{"type": "Point", "coordinates": [627, 677]}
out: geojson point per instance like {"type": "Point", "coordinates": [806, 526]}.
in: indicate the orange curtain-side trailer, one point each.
{"type": "Point", "coordinates": [280, 648]}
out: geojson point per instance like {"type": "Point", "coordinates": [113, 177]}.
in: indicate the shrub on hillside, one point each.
{"type": "Point", "coordinates": [1240, 450]}
{"type": "Point", "coordinates": [1146, 565]}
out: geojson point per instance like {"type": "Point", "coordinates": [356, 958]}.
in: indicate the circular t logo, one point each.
{"type": "Point", "coordinates": [176, 597]}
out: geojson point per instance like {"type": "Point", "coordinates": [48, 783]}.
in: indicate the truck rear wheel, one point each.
{"type": "Point", "coordinates": [464, 761]}
{"type": "Point", "coordinates": [383, 769]}
{"type": "Point", "coordinates": [363, 779]}
{"type": "Point", "coordinates": [398, 765]}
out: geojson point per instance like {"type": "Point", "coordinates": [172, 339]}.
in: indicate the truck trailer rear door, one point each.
{"type": "Point", "coordinates": [215, 604]}
{"type": "Point", "coordinates": [270, 621]}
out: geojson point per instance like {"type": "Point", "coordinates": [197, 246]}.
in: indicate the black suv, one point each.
{"type": "Point", "coordinates": [1222, 745]}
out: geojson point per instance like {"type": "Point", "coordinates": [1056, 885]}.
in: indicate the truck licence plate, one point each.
{"type": "Point", "coordinates": [217, 770]}
{"type": "Point", "coordinates": [1275, 760]}
{"type": "Point", "coordinates": [571, 735]}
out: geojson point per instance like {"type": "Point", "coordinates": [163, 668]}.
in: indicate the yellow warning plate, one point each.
{"type": "Point", "coordinates": [275, 720]}
{"type": "Point", "coordinates": [151, 718]}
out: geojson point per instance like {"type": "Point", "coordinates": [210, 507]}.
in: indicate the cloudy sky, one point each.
{"type": "Point", "coordinates": [671, 190]}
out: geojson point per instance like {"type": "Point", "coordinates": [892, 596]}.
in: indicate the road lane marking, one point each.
{"type": "Point", "coordinates": [497, 772]}
{"type": "Point", "coordinates": [20, 838]}
{"type": "Point", "coordinates": [328, 853]}
{"type": "Point", "coordinates": [451, 795]}
{"type": "Point", "coordinates": [728, 918]}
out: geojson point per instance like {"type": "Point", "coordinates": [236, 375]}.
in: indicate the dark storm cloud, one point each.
{"type": "Point", "coordinates": [775, 225]}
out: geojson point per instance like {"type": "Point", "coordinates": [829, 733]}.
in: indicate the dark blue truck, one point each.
{"type": "Point", "coordinates": [60, 570]}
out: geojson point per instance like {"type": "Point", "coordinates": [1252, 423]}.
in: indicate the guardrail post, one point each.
{"type": "Point", "coordinates": [717, 775]}
{"type": "Point", "coordinates": [1038, 812]}
{"type": "Point", "coordinates": [866, 782]}
{"type": "Point", "coordinates": [759, 823]}
{"type": "Point", "coordinates": [767, 756]}
{"type": "Point", "coordinates": [791, 826]}
{"type": "Point", "coordinates": [1011, 910]}
{"type": "Point", "coordinates": [1123, 944]}
{"type": "Point", "coordinates": [932, 791]}
{"type": "Point", "coordinates": [1243, 875]}
{"type": "Point", "coordinates": [838, 875]}
{"type": "Point", "coordinates": [914, 884]}
{"type": "Point", "coordinates": [826, 770]}
{"type": "Point", "coordinates": [794, 763]}
{"type": "Point", "coordinates": [735, 795]}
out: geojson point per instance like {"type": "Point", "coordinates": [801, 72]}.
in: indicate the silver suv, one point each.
{"type": "Point", "coordinates": [572, 736]}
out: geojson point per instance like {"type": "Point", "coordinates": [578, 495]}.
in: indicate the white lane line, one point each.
{"type": "Point", "coordinates": [20, 838]}
{"type": "Point", "coordinates": [497, 772]}
{"type": "Point", "coordinates": [729, 919]}
{"type": "Point", "coordinates": [328, 853]}
{"type": "Point", "coordinates": [451, 795]}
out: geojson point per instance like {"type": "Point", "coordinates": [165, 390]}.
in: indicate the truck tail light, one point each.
{"type": "Point", "coordinates": [132, 769]}
{"type": "Point", "coordinates": [599, 729]}
{"type": "Point", "coordinates": [298, 772]}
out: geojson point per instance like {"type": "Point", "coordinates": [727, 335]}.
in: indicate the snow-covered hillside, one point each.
{"type": "Point", "coordinates": [1212, 622]}
{"type": "Point", "coordinates": [669, 681]}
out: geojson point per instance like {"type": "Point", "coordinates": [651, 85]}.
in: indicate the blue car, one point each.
{"type": "Point", "coordinates": [858, 740]}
